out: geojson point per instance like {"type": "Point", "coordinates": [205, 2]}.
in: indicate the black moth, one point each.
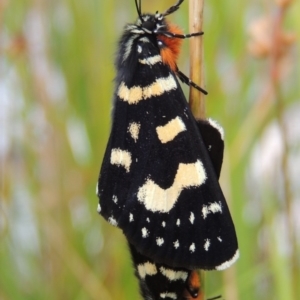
{"type": "Point", "coordinates": [157, 181]}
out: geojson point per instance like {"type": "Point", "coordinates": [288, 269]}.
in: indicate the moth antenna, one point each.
{"type": "Point", "coordinates": [172, 8]}
{"type": "Point", "coordinates": [138, 9]}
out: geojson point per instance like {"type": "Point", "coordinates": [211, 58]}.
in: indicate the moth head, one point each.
{"type": "Point", "coordinates": [156, 25]}
{"type": "Point", "coordinates": [151, 24]}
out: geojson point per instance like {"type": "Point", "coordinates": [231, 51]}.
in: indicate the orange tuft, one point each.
{"type": "Point", "coordinates": [192, 290]}
{"type": "Point", "coordinates": [171, 51]}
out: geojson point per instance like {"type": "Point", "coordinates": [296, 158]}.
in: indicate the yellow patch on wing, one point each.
{"type": "Point", "coordinates": [121, 158]}
{"type": "Point", "coordinates": [136, 94]}
{"type": "Point", "coordinates": [152, 60]}
{"type": "Point", "coordinates": [134, 130]}
{"type": "Point", "coordinates": [163, 200]}
{"type": "Point", "coordinates": [169, 131]}
{"type": "Point", "coordinates": [174, 275]}
{"type": "Point", "coordinates": [146, 269]}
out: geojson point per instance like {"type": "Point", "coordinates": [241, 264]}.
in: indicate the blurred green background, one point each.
{"type": "Point", "coordinates": [56, 85]}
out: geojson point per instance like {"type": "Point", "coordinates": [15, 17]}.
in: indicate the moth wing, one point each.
{"type": "Point", "coordinates": [157, 182]}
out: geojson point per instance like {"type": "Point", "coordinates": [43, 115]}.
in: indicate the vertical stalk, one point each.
{"type": "Point", "coordinates": [196, 98]}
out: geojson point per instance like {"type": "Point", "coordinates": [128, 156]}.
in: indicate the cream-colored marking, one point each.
{"type": "Point", "coordinates": [159, 241]}
{"type": "Point", "coordinates": [138, 31]}
{"type": "Point", "coordinates": [163, 200]}
{"type": "Point", "coordinates": [205, 211]}
{"type": "Point", "coordinates": [173, 275]}
{"type": "Point", "coordinates": [134, 130]}
{"type": "Point", "coordinates": [168, 132]}
{"type": "Point", "coordinates": [148, 220]}
{"type": "Point", "coordinates": [163, 224]}
{"type": "Point", "coordinates": [229, 262]}
{"type": "Point", "coordinates": [168, 295]}
{"type": "Point", "coordinates": [132, 95]}
{"type": "Point", "coordinates": [192, 218]}
{"type": "Point", "coordinates": [115, 198]}
{"type": "Point", "coordinates": [215, 207]}
{"type": "Point", "coordinates": [131, 217]}
{"type": "Point", "coordinates": [219, 239]}
{"type": "Point", "coordinates": [97, 191]}
{"type": "Point", "coordinates": [145, 232]}
{"type": "Point", "coordinates": [206, 244]}
{"type": "Point", "coordinates": [99, 208]}
{"type": "Point", "coordinates": [121, 158]}
{"type": "Point", "coordinates": [152, 60]}
{"type": "Point", "coordinates": [216, 125]}
{"type": "Point", "coordinates": [144, 40]}
{"type": "Point", "coordinates": [176, 244]}
{"type": "Point", "coordinates": [211, 208]}
{"type": "Point", "coordinates": [192, 247]}
{"type": "Point", "coordinates": [128, 47]}
{"type": "Point", "coordinates": [178, 222]}
{"type": "Point", "coordinates": [135, 94]}
{"type": "Point", "coordinates": [146, 269]}
{"type": "Point", "coordinates": [112, 221]}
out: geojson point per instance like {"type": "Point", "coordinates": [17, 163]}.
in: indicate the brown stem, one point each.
{"type": "Point", "coordinates": [196, 99]}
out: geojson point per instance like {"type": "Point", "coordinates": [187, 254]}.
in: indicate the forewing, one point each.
{"type": "Point", "coordinates": [157, 182]}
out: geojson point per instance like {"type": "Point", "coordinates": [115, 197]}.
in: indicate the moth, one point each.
{"type": "Point", "coordinates": [158, 181]}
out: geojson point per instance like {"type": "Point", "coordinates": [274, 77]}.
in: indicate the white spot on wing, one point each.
{"type": "Point", "coordinates": [206, 244]}
{"type": "Point", "coordinates": [146, 269]}
{"type": "Point", "coordinates": [115, 198]}
{"type": "Point", "coordinates": [178, 222]}
{"type": "Point", "coordinates": [229, 262]}
{"type": "Point", "coordinates": [145, 232]}
{"type": "Point", "coordinates": [131, 217]}
{"type": "Point", "coordinates": [169, 131]}
{"type": "Point", "coordinates": [192, 218]}
{"type": "Point", "coordinates": [112, 221]}
{"type": "Point", "coordinates": [99, 208]}
{"type": "Point", "coordinates": [168, 295]}
{"type": "Point", "coordinates": [174, 275]}
{"type": "Point", "coordinates": [159, 241]}
{"type": "Point", "coordinates": [163, 200]}
{"type": "Point", "coordinates": [121, 158]}
{"type": "Point", "coordinates": [211, 208]}
{"type": "Point", "coordinates": [163, 224]}
{"type": "Point", "coordinates": [176, 244]}
{"type": "Point", "coordinates": [216, 125]}
{"type": "Point", "coordinates": [220, 240]}
{"type": "Point", "coordinates": [192, 247]}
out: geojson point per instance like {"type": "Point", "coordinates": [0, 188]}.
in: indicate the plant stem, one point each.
{"type": "Point", "coordinates": [196, 98]}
